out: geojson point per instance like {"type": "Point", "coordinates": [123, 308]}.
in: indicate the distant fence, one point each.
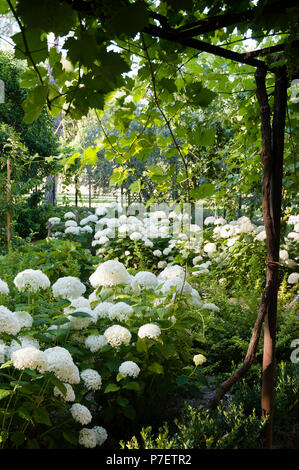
{"type": "Point", "coordinates": [83, 200]}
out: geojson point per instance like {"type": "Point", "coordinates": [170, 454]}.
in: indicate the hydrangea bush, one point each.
{"type": "Point", "coordinates": [92, 360]}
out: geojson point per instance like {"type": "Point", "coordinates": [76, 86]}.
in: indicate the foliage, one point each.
{"type": "Point", "coordinates": [234, 425]}
{"type": "Point", "coordinates": [206, 429]}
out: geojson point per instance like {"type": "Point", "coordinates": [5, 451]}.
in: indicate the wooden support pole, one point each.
{"type": "Point", "coordinates": [8, 204]}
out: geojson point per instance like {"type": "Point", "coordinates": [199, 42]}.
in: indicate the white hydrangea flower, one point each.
{"type": "Point", "coordinates": [117, 335]}
{"type": "Point", "coordinates": [161, 264]}
{"type": "Point", "coordinates": [293, 278]}
{"type": "Point", "coordinates": [100, 211]}
{"type": "Point", "coordinates": [70, 394]}
{"type": "Point", "coordinates": [3, 352]}
{"type": "Point", "coordinates": [31, 280]}
{"type": "Point", "coordinates": [171, 272]}
{"type": "Point", "coordinates": [70, 223]}
{"type": "Point", "coordinates": [92, 218]}
{"type": "Point", "coordinates": [87, 228]}
{"type": "Point", "coordinates": [194, 301]}
{"type": "Point", "coordinates": [79, 302]}
{"type": "Point", "coordinates": [144, 280]}
{"type": "Point", "coordinates": [54, 221]}
{"type": "Point", "coordinates": [95, 342]}
{"type": "Point", "coordinates": [26, 341]}
{"type": "Point", "coordinates": [61, 363]}
{"type": "Point", "coordinates": [68, 287]}
{"type": "Point", "coordinates": [120, 311]}
{"type": "Point", "coordinates": [148, 243]}
{"type": "Point", "coordinates": [178, 284]}
{"type": "Point", "coordinates": [3, 287]}
{"type": "Point", "coordinates": [69, 215]}
{"type": "Point", "coordinates": [157, 253]}
{"type": "Point", "coordinates": [102, 310]}
{"type": "Point", "coordinates": [87, 438]}
{"type": "Point", "coordinates": [135, 236]}
{"type": "Point", "coordinates": [209, 220]}
{"type": "Point", "coordinates": [24, 318]}
{"type": "Point", "coordinates": [29, 358]}
{"type": "Point", "coordinates": [294, 236]}
{"type": "Point", "coordinates": [129, 369]}
{"type": "Point", "coordinates": [219, 221]}
{"type": "Point", "coordinates": [210, 248]}
{"type": "Point", "coordinates": [231, 241]}
{"type": "Point", "coordinates": [110, 273]}
{"type": "Point", "coordinates": [283, 254]}
{"type": "Point", "coordinates": [80, 413]}
{"type": "Point", "coordinates": [199, 359]}
{"type": "Point", "coordinates": [210, 306]}
{"type": "Point", "coordinates": [92, 379]}
{"type": "Point", "coordinates": [149, 330]}
{"type": "Point", "coordinates": [261, 237]}
{"type": "Point", "coordinates": [79, 323]}
{"type": "Point", "coordinates": [72, 230]}
{"type": "Point", "coordinates": [196, 260]}
{"type": "Point", "coordinates": [8, 322]}
{"type": "Point", "coordinates": [101, 434]}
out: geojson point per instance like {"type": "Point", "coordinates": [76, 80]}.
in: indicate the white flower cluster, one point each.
{"type": "Point", "coordinates": [117, 335]}
{"type": "Point", "coordinates": [92, 379]}
{"type": "Point", "coordinates": [31, 280]}
{"type": "Point", "coordinates": [68, 287]}
{"type": "Point", "coordinates": [149, 330]}
{"type": "Point", "coordinates": [110, 273]}
{"type": "Point", "coordinates": [9, 322]}
{"type": "Point", "coordinates": [144, 280]}
{"type": "Point", "coordinates": [54, 221]}
{"type": "Point", "coordinates": [91, 438]}
{"type": "Point", "coordinates": [95, 342]}
{"type": "Point", "coordinates": [69, 396]}
{"type": "Point", "coordinates": [3, 287]}
{"type": "Point", "coordinates": [60, 362]}
{"type": "Point", "coordinates": [80, 413]}
{"type": "Point", "coordinates": [29, 358]}
{"type": "Point", "coordinates": [129, 369]}
{"type": "Point", "coordinates": [120, 311]}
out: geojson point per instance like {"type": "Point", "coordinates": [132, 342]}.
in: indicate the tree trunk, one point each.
{"type": "Point", "coordinates": [8, 205]}
{"type": "Point", "coordinates": [51, 182]}
{"type": "Point", "coordinates": [272, 159]}
{"type": "Point", "coordinates": [273, 173]}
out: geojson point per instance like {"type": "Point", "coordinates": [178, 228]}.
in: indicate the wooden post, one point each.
{"type": "Point", "coordinates": [8, 205]}
{"type": "Point", "coordinates": [272, 156]}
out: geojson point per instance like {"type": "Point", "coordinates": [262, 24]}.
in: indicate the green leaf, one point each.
{"type": "Point", "coordinates": [129, 20]}
{"type": "Point", "coordinates": [6, 364]}
{"type": "Point", "coordinates": [41, 416]}
{"type": "Point", "coordinates": [156, 368]}
{"type": "Point", "coordinates": [5, 393]}
{"type": "Point", "coordinates": [80, 315]}
{"type": "Point", "coordinates": [182, 380]}
{"type": "Point", "coordinates": [203, 191]}
{"type": "Point", "coordinates": [130, 412]}
{"type": "Point", "coordinates": [122, 401]}
{"type": "Point", "coordinates": [203, 136]}
{"type": "Point", "coordinates": [17, 438]}
{"type": "Point", "coordinates": [60, 385]}
{"type": "Point", "coordinates": [90, 156]}
{"type": "Point", "coordinates": [132, 386]}
{"type": "Point", "coordinates": [34, 103]}
{"type": "Point", "coordinates": [111, 388]}
{"type": "Point", "coordinates": [70, 437]}
{"type": "Point", "coordinates": [49, 15]}
{"type": "Point", "coordinates": [38, 47]}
